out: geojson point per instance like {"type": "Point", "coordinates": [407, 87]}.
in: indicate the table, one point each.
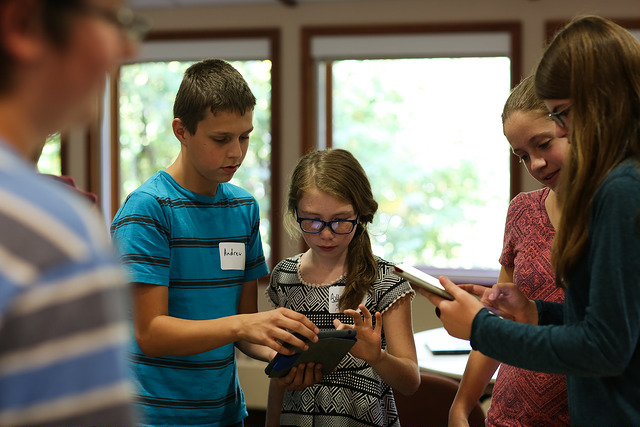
{"type": "Point", "coordinates": [449, 365]}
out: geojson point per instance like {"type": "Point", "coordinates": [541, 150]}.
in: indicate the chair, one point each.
{"type": "Point", "coordinates": [429, 406]}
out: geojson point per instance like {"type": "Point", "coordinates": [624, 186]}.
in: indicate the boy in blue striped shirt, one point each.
{"type": "Point", "coordinates": [192, 244]}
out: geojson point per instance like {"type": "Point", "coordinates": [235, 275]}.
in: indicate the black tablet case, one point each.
{"type": "Point", "coordinates": [329, 350]}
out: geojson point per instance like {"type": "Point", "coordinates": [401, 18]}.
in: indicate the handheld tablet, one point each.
{"type": "Point", "coordinates": [422, 279]}
{"type": "Point", "coordinates": [331, 347]}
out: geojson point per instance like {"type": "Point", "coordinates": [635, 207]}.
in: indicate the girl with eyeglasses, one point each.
{"type": "Point", "coordinates": [592, 67]}
{"type": "Point", "coordinates": [339, 283]}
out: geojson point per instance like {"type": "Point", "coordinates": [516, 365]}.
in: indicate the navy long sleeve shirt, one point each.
{"type": "Point", "coordinates": [593, 336]}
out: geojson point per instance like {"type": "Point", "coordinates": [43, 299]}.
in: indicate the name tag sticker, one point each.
{"type": "Point", "coordinates": [232, 256]}
{"type": "Point", "coordinates": [334, 297]}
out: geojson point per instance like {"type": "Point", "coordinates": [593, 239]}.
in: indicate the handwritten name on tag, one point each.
{"type": "Point", "coordinates": [334, 298]}
{"type": "Point", "coordinates": [335, 292]}
{"type": "Point", "coordinates": [232, 256]}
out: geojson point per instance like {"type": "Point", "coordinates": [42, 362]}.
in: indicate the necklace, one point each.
{"type": "Point", "coordinates": [318, 285]}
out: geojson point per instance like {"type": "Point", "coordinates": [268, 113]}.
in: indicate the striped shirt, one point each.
{"type": "Point", "coordinates": [62, 330]}
{"type": "Point", "coordinates": [353, 395]}
{"type": "Point", "coordinates": [204, 249]}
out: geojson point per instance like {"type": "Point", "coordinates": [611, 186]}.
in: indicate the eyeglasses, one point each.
{"type": "Point", "coordinates": [338, 226]}
{"type": "Point", "coordinates": [134, 26]}
{"type": "Point", "coordinates": [557, 116]}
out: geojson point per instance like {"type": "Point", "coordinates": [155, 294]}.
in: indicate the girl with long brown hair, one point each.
{"type": "Point", "coordinates": [339, 283]}
{"type": "Point", "coordinates": [589, 78]}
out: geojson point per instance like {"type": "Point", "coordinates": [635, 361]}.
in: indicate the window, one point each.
{"type": "Point", "coordinates": [421, 111]}
{"type": "Point", "coordinates": [146, 91]}
{"type": "Point", "coordinates": [50, 160]}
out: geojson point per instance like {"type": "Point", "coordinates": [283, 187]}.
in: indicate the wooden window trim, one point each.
{"type": "Point", "coordinates": [552, 27]}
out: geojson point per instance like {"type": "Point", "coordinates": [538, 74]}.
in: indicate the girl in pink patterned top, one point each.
{"type": "Point", "coordinates": [521, 397]}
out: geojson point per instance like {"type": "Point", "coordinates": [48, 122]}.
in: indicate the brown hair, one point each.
{"type": "Point", "coordinates": [214, 85]}
{"type": "Point", "coordinates": [595, 64]}
{"type": "Point", "coordinates": [338, 173]}
{"type": "Point", "coordinates": [523, 97]}
{"type": "Point", "coordinates": [55, 19]}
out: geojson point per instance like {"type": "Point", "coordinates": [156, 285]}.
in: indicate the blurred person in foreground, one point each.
{"type": "Point", "coordinates": [61, 288]}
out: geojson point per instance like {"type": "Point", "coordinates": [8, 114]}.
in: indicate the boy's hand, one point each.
{"type": "Point", "coordinates": [271, 328]}
{"type": "Point", "coordinates": [369, 344]}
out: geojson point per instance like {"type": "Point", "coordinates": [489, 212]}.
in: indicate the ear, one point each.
{"type": "Point", "coordinates": [21, 32]}
{"type": "Point", "coordinates": [180, 131]}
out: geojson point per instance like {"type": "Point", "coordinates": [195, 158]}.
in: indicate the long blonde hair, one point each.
{"type": "Point", "coordinates": [595, 64]}
{"type": "Point", "coordinates": [338, 173]}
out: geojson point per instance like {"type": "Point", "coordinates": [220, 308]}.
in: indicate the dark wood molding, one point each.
{"type": "Point", "coordinates": [200, 34]}
{"type": "Point", "coordinates": [64, 153]}
{"type": "Point", "coordinates": [552, 27]}
{"type": "Point", "coordinates": [308, 94]}
{"type": "Point", "coordinates": [412, 28]}
{"type": "Point", "coordinates": [328, 105]}
{"type": "Point", "coordinates": [114, 106]}
{"type": "Point", "coordinates": [93, 168]}
{"type": "Point", "coordinates": [277, 227]}
{"type": "Point", "coordinates": [515, 171]}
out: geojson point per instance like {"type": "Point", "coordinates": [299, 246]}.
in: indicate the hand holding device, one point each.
{"type": "Point", "coordinates": [329, 350]}
{"type": "Point", "coordinates": [422, 279]}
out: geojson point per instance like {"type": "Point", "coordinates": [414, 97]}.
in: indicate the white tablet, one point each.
{"type": "Point", "coordinates": [422, 279]}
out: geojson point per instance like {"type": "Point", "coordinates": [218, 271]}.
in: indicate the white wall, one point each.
{"type": "Point", "coordinates": [532, 13]}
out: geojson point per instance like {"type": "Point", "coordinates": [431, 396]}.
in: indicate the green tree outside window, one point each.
{"type": "Point", "coordinates": [429, 134]}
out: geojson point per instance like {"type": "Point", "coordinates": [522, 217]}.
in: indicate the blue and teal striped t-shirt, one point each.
{"type": "Point", "coordinates": [203, 248]}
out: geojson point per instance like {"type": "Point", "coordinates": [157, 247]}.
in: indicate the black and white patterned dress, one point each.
{"type": "Point", "coordinates": [354, 395]}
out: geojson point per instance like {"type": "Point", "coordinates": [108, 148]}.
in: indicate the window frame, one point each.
{"type": "Point", "coordinates": [552, 27]}
{"type": "Point", "coordinates": [272, 36]}
{"type": "Point", "coordinates": [310, 97]}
